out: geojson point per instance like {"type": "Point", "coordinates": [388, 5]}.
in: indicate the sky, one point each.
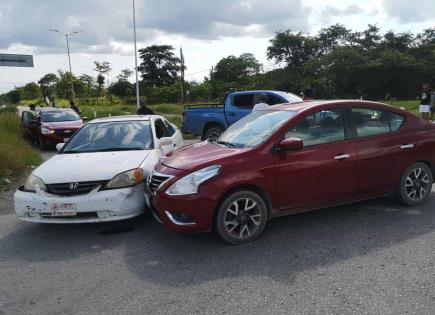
{"type": "Point", "coordinates": [207, 30]}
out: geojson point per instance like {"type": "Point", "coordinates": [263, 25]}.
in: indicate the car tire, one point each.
{"type": "Point", "coordinates": [241, 217]}
{"type": "Point", "coordinates": [415, 184]}
{"type": "Point", "coordinates": [213, 132]}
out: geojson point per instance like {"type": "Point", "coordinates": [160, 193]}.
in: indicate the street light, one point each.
{"type": "Point", "coordinates": [67, 35]}
{"type": "Point", "coordinates": [135, 56]}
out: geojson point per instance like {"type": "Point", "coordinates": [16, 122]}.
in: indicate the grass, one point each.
{"type": "Point", "coordinates": [411, 106]}
{"type": "Point", "coordinates": [16, 154]}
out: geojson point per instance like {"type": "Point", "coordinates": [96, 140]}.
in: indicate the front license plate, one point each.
{"type": "Point", "coordinates": [63, 209]}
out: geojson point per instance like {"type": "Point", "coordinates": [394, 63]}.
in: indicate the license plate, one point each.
{"type": "Point", "coordinates": [65, 140]}
{"type": "Point", "coordinates": [148, 201]}
{"type": "Point", "coordinates": [63, 209]}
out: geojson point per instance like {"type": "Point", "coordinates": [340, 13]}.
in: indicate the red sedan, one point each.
{"type": "Point", "coordinates": [50, 126]}
{"type": "Point", "coordinates": [293, 158]}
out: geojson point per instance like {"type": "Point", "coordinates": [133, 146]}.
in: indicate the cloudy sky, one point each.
{"type": "Point", "coordinates": [208, 30]}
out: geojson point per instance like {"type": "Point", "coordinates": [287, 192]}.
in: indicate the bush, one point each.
{"type": "Point", "coordinates": [15, 153]}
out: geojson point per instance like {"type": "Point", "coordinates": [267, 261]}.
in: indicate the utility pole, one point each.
{"type": "Point", "coordinates": [135, 57]}
{"type": "Point", "coordinates": [67, 35]}
{"type": "Point", "coordinates": [183, 92]}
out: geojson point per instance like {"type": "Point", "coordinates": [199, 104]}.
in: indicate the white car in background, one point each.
{"type": "Point", "coordinates": [98, 175]}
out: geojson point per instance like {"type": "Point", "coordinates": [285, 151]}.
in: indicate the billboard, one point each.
{"type": "Point", "coordinates": [13, 60]}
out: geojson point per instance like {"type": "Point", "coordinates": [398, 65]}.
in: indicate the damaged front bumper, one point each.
{"type": "Point", "coordinates": [96, 206]}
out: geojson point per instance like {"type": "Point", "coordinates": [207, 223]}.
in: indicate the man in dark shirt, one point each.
{"type": "Point", "coordinates": [74, 107]}
{"type": "Point", "coordinates": [144, 110]}
{"type": "Point", "coordinates": [425, 102]}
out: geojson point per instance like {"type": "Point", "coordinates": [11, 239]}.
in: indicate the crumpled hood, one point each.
{"type": "Point", "coordinates": [83, 167]}
{"type": "Point", "coordinates": [199, 155]}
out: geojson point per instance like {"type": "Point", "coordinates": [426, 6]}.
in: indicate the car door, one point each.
{"type": "Point", "coordinates": [162, 132]}
{"type": "Point", "coordinates": [238, 106]}
{"type": "Point", "coordinates": [29, 124]}
{"type": "Point", "coordinates": [381, 149]}
{"type": "Point", "coordinates": [174, 133]}
{"type": "Point", "coordinates": [323, 171]}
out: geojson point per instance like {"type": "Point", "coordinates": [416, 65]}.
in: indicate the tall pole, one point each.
{"type": "Point", "coordinates": [67, 35]}
{"type": "Point", "coordinates": [70, 70]}
{"type": "Point", "coordinates": [135, 56]}
{"type": "Point", "coordinates": [183, 93]}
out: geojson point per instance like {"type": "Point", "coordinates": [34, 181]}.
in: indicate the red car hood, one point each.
{"type": "Point", "coordinates": [200, 155]}
{"type": "Point", "coordinates": [76, 124]}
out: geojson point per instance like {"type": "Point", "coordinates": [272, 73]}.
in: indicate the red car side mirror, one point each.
{"type": "Point", "coordinates": [291, 144]}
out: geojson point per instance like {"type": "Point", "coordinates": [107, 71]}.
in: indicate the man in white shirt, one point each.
{"type": "Point", "coordinates": [263, 102]}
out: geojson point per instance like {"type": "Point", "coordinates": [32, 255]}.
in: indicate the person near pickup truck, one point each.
{"type": "Point", "coordinates": [425, 102]}
{"type": "Point", "coordinates": [263, 102]}
{"type": "Point", "coordinates": [144, 110]}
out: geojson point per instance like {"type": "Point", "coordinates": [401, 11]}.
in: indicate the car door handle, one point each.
{"type": "Point", "coordinates": [407, 146]}
{"type": "Point", "coordinates": [341, 157]}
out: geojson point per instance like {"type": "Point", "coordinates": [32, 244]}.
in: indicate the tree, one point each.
{"type": "Point", "coordinates": [159, 66]}
{"type": "Point", "coordinates": [102, 68]}
{"type": "Point", "coordinates": [294, 49]}
{"type": "Point", "coordinates": [236, 69]}
{"type": "Point", "coordinates": [124, 74]}
{"type": "Point", "coordinates": [48, 84]}
{"type": "Point", "coordinates": [30, 91]}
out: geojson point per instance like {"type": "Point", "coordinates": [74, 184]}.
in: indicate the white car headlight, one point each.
{"type": "Point", "coordinates": [126, 179]}
{"type": "Point", "coordinates": [34, 181]}
{"type": "Point", "coordinates": [46, 131]}
{"type": "Point", "coordinates": [189, 184]}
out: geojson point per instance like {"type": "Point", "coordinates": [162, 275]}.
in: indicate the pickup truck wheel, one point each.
{"type": "Point", "coordinates": [213, 132]}
{"type": "Point", "coordinates": [241, 217]}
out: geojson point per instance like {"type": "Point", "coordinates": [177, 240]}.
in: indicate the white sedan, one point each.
{"type": "Point", "coordinates": [98, 175]}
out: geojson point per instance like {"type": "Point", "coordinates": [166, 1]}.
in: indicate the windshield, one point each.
{"type": "Point", "coordinates": [58, 116]}
{"type": "Point", "coordinates": [111, 136]}
{"type": "Point", "coordinates": [254, 129]}
{"type": "Point", "coordinates": [291, 98]}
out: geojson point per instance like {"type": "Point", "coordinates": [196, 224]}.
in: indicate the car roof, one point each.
{"type": "Point", "coordinates": [261, 91]}
{"type": "Point", "coordinates": [125, 118]}
{"type": "Point", "coordinates": [306, 105]}
{"type": "Point", "coordinates": [53, 109]}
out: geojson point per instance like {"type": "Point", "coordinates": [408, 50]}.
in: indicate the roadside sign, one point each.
{"type": "Point", "coordinates": [14, 60]}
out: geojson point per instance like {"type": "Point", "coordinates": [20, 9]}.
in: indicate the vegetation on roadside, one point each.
{"type": "Point", "coordinates": [16, 154]}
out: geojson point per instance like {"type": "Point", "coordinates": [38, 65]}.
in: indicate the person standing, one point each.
{"type": "Point", "coordinates": [144, 110]}
{"type": "Point", "coordinates": [425, 102]}
{"type": "Point", "coordinates": [263, 102]}
{"type": "Point", "coordinates": [74, 107]}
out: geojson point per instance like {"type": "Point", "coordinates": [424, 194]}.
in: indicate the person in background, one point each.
{"type": "Point", "coordinates": [263, 102]}
{"type": "Point", "coordinates": [74, 107]}
{"type": "Point", "coordinates": [425, 102]}
{"type": "Point", "coordinates": [144, 110]}
{"type": "Point", "coordinates": [432, 104]}
{"type": "Point", "coordinates": [308, 94]}
{"type": "Point", "coordinates": [32, 108]}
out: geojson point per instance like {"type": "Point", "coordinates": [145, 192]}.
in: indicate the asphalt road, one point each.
{"type": "Point", "coordinates": [375, 257]}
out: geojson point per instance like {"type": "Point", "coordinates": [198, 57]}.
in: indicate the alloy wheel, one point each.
{"type": "Point", "coordinates": [242, 218]}
{"type": "Point", "coordinates": [417, 184]}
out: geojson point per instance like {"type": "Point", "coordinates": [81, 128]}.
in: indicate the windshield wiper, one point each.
{"type": "Point", "coordinates": [103, 150]}
{"type": "Point", "coordinates": [225, 143]}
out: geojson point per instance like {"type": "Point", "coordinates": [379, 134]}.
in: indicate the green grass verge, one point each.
{"type": "Point", "coordinates": [16, 154]}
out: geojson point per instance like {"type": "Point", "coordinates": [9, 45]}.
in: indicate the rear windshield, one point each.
{"type": "Point", "coordinates": [59, 116]}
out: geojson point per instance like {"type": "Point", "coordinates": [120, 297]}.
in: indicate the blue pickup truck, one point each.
{"type": "Point", "coordinates": [210, 120]}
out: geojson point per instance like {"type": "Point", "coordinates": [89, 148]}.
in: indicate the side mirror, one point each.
{"type": "Point", "coordinates": [84, 118]}
{"type": "Point", "coordinates": [59, 146]}
{"type": "Point", "coordinates": [291, 144]}
{"type": "Point", "coordinates": [165, 141]}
